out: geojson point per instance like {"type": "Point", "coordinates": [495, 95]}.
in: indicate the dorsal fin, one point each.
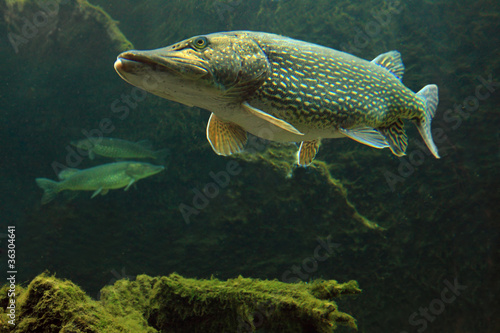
{"type": "Point", "coordinates": [392, 62]}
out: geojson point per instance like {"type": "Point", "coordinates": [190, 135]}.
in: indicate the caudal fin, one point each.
{"type": "Point", "coordinates": [428, 95]}
{"type": "Point", "coordinates": [50, 187]}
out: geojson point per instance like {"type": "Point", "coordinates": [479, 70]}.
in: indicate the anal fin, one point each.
{"type": "Point", "coordinates": [367, 136]}
{"type": "Point", "coordinates": [307, 152]}
{"type": "Point", "coordinates": [396, 137]}
{"type": "Point", "coordinates": [225, 137]}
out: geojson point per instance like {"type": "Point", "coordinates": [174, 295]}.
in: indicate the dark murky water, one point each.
{"type": "Point", "coordinates": [434, 267]}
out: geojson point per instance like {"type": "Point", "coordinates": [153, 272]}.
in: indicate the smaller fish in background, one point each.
{"type": "Point", "coordinates": [118, 148]}
{"type": "Point", "coordinates": [99, 179]}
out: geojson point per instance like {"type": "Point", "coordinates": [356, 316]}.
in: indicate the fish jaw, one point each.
{"type": "Point", "coordinates": [166, 73]}
{"type": "Point", "coordinates": [185, 64]}
{"type": "Point", "coordinates": [226, 70]}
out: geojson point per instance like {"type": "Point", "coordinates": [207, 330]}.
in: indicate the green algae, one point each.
{"type": "Point", "coordinates": [65, 25]}
{"type": "Point", "coordinates": [117, 38]}
{"type": "Point", "coordinates": [176, 304]}
{"type": "Point", "coordinates": [283, 157]}
{"type": "Point", "coordinates": [49, 304]}
{"type": "Point", "coordinates": [216, 306]}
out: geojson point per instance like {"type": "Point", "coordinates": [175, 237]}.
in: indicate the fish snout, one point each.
{"type": "Point", "coordinates": [131, 62]}
{"type": "Point", "coordinates": [158, 168]}
{"type": "Point", "coordinates": [166, 60]}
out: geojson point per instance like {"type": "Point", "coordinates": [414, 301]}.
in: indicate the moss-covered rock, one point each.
{"type": "Point", "coordinates": [176, 304]}
{"type": "Point", "coordinates": [52, 305]}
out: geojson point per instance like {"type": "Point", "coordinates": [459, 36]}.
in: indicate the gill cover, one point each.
{"type": "Point", "coordinates": [236, 62]}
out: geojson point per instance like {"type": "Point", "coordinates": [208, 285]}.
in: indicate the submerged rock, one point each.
{"type": "Point", "coordinates": [176, 304]}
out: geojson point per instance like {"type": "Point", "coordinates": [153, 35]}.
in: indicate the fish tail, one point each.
{"type": "Point", "coordinates": [429, 96]}
{"type": "Point", "coordinates": [50, 187]}
{"type": "Point", "coordinates": [161, 155]}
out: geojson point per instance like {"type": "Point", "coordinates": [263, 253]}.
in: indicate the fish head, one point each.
{"type": "Point", "coordinates": [199, 71]}
{"type": "Point", "coordinates": [138, 170]}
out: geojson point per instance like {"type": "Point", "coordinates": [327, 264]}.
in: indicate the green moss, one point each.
{"type": "Point", "coordinates": [68, 26]}
{"type": "Point", "coordinates": [282, 157]}
{"type": "Point", "coordinates": [177, 304]}
{"type": "Point", "coordinates": [49, 304]}
{"type": "Point", "coordinates": [212, 305]}
{"type": "Point", "coordinates": [117, 38]}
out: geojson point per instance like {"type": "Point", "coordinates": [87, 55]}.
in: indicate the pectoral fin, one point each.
{"type": "Point", "coordinates": [307, 152]}
{"type": "Point", "coordinates": [273, 120]}
{"type": "Point", "coordinates": [367, 136]}
{"type": "Point", "coordinates": [91, 154]}
{"type": "Point", "coordinates": [225, 137]}
{"type": "Point", "coordinates": [129, 184]}
{"type": "Point", "coordinates": [96, 192]}
{"type": "Point", "coordinates": [396, 136]}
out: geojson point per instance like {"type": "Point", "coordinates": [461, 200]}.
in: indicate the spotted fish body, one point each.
{"type": "Point", "coordinates": [322, 87]}
{"type": "Point", "coordinates": [117, 148]}
{"type": "Point", "coordinates": [99, 179]}
{"type": "Point", "coordinates": [283, 89]}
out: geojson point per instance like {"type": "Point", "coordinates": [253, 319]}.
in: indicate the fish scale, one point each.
{"type": "Point", "coordinates": [117, 148]}
{"type": "Point", "coordinates": [322, 90]}
{"type": "Point", "coordinates": [285, 90]}
{"type": "Point", "coordinates": [99, 179]}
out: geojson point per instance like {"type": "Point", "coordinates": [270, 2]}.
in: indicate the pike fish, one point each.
{"type": "Point", "coordinates": [99, 179]}
{"type": "Point", "coordinates": [117, 148]}
{"type": "Point", "coordinates": [284, 90]}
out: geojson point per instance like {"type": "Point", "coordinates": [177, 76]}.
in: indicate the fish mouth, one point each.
{"type": "Point", "coordinates": [136, 62]}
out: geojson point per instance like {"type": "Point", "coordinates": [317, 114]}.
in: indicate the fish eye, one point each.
{"type": "Point", "coordinates": [200, 42]}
